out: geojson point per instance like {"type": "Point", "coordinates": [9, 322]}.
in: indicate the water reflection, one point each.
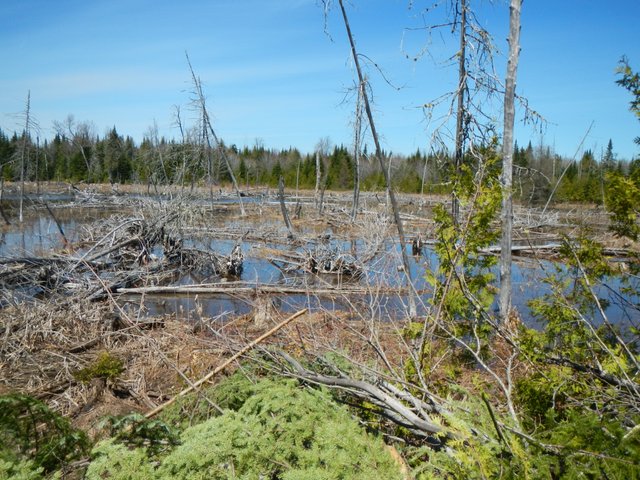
{"type": "Point", "coordinates": [38, 235]}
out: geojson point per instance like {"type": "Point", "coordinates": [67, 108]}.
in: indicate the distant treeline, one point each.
{"type": "Point", "coordinates": [81, 156]}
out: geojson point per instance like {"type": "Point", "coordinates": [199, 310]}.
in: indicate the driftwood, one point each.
{"type": "Point", "coordinates": [283, 207]}
{"type": "Point", "coordinates": [122, 257]}
{"type": "Point", "coordinates": [321, 259]}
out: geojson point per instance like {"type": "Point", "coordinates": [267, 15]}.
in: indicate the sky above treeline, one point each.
{"type": "Point", "coordinates": [278, 73]}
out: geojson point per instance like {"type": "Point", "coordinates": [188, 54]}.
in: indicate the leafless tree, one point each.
{"type": "Point", "coordinates": [200, 99]}
{"type": "Point", "coordinates": [362, 82]}
{"type": "Point", "coordinates": [323, 148]}
{"type": "Point", "coordinates": [357, 141]}
{"type": "Point", "coordinates": [29, 124]}
{"type": "Point", "coordinates": [507, 159]}
{"type": "Point", "coordinates": [80, 134]}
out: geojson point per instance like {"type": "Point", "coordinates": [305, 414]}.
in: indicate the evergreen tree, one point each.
{"type": "Point", "coordinates": [608, 160]}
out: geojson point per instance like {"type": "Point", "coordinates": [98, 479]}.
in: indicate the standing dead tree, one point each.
{"type": "Point", "coordinates": [460, 115]}
{"type": "Point", "coordinates": [477, 86]}
{"type": "Point", "coordinates": [80, 135]}
{"type": "Point", "coordinates": [200, 98]}
{"type": "Point", "coordinates": [29, 124]}
{"type": "Point", "coordinates": [507, 159]}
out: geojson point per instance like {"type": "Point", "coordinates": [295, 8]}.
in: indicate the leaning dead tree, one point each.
{"type": "Point", "coordinates": [357, 140]}
{"type": "Point", "coordinates": [362, 82]}
{"type": "Point", "coordinates": [200, 98]}
{"type": "Point", "coordinates": [507, 159]}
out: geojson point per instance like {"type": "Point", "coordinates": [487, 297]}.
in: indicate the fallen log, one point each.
{"type": "Point", "coordinates": [523, 248]}
{"type": "Point", "coordinates": [248, 289]}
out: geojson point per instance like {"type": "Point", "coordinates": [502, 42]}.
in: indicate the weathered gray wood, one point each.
{"type": "Point", "coordinates": [507, 159]}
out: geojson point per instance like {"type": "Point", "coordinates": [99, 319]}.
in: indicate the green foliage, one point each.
{"type": "Point", "coordinates": [571, 301]}
{"type": "Point", "coordinates": [31, 432]}
{"type": "Point", "coordinates": [117, 462]}
{"type": "Point", "coordinates": [464, 271]}
{"type": "Point", "coordinates": [136, 431]}
{"type": "Point", "coordinates": [340, 171]}
{"type": "Point", "coordinates": [19, 470]}
{"type": "Point", "coordinates": [622, 200]}
{"type": "Point", "coordinates": [630, 81]}
{"type": "Point", "coordinates": [193, 409]}
{"type": "Point", "coordinates": [282, 431]}
{"type": "Point", "coordinates": [106, 366]}
{"type": "Point", "coordinates": [592, 446]}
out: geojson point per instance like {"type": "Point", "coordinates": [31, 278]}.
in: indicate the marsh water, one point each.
{"type": "Point", "coordinates": [39, 236]}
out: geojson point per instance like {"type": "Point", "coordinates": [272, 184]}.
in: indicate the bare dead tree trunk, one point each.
{"type": "Point", "coordinates": [23, 153]}
{"type": "Point", "coordinates": [356, 154]}
{"type": "Point", "coordinates": [316, 195]}
{"type": "Point", "coordinates": [462, 86]}
{"type": "Point", "coordinates": [158, 151]}
{"type": "Point", "coordinates": [183, 167]}
{"type": "Point", "coordinates": [283, 206]}
{"type": "Point", "coordinates": [380, 156]}
{"type": "Point", "coordinates": [37, 165]}
{"type": "Point", "coordinates": [424, 174]}
{"type": "Point", "coordinates": [207, 124]}
{"type": "Point", "coordinates": [507, 159]}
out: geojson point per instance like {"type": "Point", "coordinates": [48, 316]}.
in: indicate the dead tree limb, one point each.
{"type": "Point", "coordinates": [283, 207]}
{"type": "Point", "coordinates": [226, 363]}
{"type": "Point", "coordinates": [392, 407]}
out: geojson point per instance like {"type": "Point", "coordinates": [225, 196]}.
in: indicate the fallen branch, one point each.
{"type": "Point", "coordinates": [392, 407]}
{"type": "Point", "coordinates": [225, 364]}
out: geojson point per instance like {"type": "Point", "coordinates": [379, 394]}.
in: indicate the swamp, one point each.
{"type": "Point", "coordinates": [118, 303]}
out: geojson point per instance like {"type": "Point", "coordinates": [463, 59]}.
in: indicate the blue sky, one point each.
{"type": "Point", "coordinates": [272, 74]}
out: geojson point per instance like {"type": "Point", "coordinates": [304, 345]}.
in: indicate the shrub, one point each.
{"type": "Point", "coordinates": [282, 431]}
{"type": "Point", "coordinates": [33, 437]}
{"type": "Point", "coordinates": [106, 366]}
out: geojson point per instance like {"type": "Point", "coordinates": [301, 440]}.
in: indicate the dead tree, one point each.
{"type": "Point", "coordinates": [356, 153]}
{"type": "Point", "coordinates": [379, 155]}
{"type": "Point", "coordinates": [79, 135]}
{"type": "Point", "coordinates": [197, 85]}
{"type": "Point", "coordinates": [29, 123]}
{"type": "Point", "coordinates": [322, 149]}
{"type": "Point", "coordinates": [460, 115]}
{"type": "Point", "coordinates": [283, 207]}
{"type": "Point", "coordinates": [507, 159]}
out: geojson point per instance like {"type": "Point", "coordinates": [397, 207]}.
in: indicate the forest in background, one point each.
{"type": "Point", "coordinates": [82, 156]}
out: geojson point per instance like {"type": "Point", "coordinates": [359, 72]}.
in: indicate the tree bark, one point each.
{"type": "Point", "coordinates": [507, 159]}
{"type": "Point", "coordinates": [283, 206]}
{"type": "Point", "coordinates": [23, 153]}
{"type": "Point", "coordinates": [316, 195]}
